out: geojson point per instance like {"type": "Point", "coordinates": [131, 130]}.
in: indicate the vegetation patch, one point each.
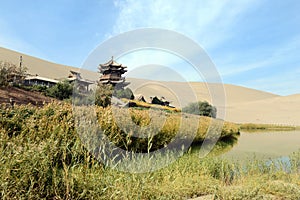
{"type": "Point", "coordinates": [201, 108]}
{"type": "Point", "coordinates": [267, 127]}
{"type": "Point", "coordinates": [42, 157]}
{"type": "Point", "coordinates": [141, 104]}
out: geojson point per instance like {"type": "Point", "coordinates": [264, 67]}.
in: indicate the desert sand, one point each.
{"type": "Point", "coordinates": [240, 104]}
{"type": "Point", "coordinates": [43, 68]}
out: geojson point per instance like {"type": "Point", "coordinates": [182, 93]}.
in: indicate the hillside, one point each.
{"type": "Point", "coordinates": [188, 92]}
{"type": "Point", "coordinates": [43, 68]}
{"type": "Point", "coordinates": [242, 104]}
{"type": "Point", "coordinates": [20, 96]}
{"type": "Point", "coordinates": [279, 110]}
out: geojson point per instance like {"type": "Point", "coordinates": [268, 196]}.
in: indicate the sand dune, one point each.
{"type": "Point", "coordinates": [278, 110]}
{"type": "Point", "coordinates": [203, 91]}
{"type": "Point", "coordinates": [241, 104]}
{"type": "Point", "coordinates": [43, 68]}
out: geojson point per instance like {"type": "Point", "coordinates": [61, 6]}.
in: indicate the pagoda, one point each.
{"type": "Point", "coordinates": [112, 73]}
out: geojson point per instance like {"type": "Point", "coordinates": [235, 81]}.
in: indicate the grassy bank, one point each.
{"type": "Point", "coordinates": [42, 156]}
{"type": "Point", "coordinates": [271, 127]}
{"type": "Point", "coordinates": [160, 127]}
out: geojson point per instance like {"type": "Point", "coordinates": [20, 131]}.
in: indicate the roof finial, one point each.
{"type": "Point", "coordinates": [112, 58]}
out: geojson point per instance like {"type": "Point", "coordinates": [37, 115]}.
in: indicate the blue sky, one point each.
{"type": "Point", "coordinates": [253, 43]}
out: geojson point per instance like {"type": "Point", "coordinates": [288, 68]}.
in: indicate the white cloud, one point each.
{"type": "Point", "coordinates": [274, 57]}
{"type": "Point", "coordinates": [145, 58]}
{"type": "Point", "coordinates": [207, 22]}
{"type": "Point", "coordinates": [211, 24]}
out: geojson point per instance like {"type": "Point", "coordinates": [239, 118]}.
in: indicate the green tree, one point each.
{"type": "Point", "coordinates": [103, 95]}
{"type": "Point", "coordinates": [123, 93]}
{"type": "Point", "coordinates": [62, 90]}
{"type": "Point", "coordinates": [202, 108]}
{"type": "Point", "coordinates": [10, 73]}
{"type": "Point", "coordinates": [7, 69]}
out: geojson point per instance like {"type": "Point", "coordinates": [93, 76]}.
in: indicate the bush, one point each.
{"type": "Point", "coordinates": [201, 108]}
{"type": "Point", "coordinates": [123, 93]}
{"type": "Point", "coordinates": [6, 70]}
{"type": "Point", "coordinates": [62, 90]}
{"type": "Point", "coordinates": [103, 95]}
{"type": "Point", "coordinates": [10, 73]}
{"type": "Point", "coordinates": [33, 88]}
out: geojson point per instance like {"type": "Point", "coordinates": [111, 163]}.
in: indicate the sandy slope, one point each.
{"type": "Point", "coordinates": [241, 104]}
{"type": "Point", "coordinates": [278, 110]}
{"type": "Point", "coordinates": [43, 68]}
{"type": "Point", "coordinates": [202, 91]}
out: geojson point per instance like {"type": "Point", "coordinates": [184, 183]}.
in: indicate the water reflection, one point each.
{"type": "Point", "coordinates": [222, 146]}
{"type": "Point", "coordinates": [263, 151]}
{"type": "Point", "coordinates": [264, 145]}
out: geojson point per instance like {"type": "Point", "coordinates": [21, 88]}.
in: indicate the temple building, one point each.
{"type": "Point", "coordinates": [82, 84]}
{"type": "Point", "coordinates": [161, 101]}
{"type": "Point", "coordinates": [38, 80]}
{"type": "Point", "coordinates": [112, 73]}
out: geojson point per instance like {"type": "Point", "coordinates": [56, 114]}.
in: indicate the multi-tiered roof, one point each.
{"type": "Point", "coordinates": [112, 73]}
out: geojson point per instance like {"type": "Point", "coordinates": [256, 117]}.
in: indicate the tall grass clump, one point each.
{"type": "Point", "coordinates": [158, 126]}
{"type": "Point", "coordinates": [37, 148]}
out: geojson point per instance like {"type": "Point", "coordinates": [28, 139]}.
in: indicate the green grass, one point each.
{"type": "Point", "coordinates": [42, 157]}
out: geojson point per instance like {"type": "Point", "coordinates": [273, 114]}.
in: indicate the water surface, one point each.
{"type": "Point", "coordinates": [263, 144]}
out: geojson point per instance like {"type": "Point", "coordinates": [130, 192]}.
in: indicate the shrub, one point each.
{"type": "Point", "coordinates": [33, 88]}
{"type": "Point", "coordinates": [6, 70]}
{"type": "Point", "coordinates": [103, 94]}
{"type": "Point", "coordinates": [123, 93]}
{"type": "Point", "coordinates": [10, 73]}
{"type": "Point", "coordinates": [62, 90]}
{"type": "Point", "coordinates": [201, 108]}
